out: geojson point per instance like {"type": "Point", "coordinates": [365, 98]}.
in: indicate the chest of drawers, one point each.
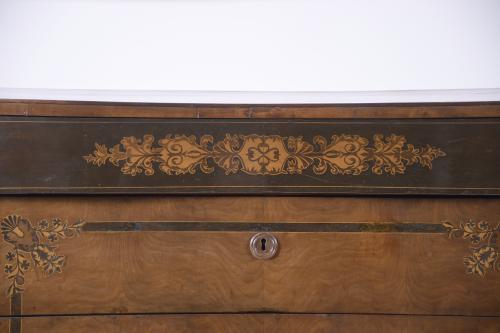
{"type": "Point", "coordinates": [136, 218]}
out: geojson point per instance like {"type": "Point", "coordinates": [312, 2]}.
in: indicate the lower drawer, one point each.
{"type": "Point", "coordinates": [255, 323]}
{"type": "Point", "coordinates": [142, 255]}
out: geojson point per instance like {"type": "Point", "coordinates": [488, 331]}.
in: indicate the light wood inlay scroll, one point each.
{"type": "Point", "coordinates": [265, 155]}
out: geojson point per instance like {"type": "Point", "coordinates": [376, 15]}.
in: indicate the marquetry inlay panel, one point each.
{"type": "Point", "coordinates": [342, 154]}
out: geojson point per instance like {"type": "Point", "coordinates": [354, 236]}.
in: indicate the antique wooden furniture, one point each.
{"type": "Point", "coordinates": [199, 218]}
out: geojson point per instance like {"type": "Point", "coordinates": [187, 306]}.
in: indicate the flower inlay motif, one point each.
{"type": "Point", "coordinates": [33, 245]}
{"type": "Point", "coordinates": [482, 235]}
{"type": "Point", "coordinates": [265, 155]}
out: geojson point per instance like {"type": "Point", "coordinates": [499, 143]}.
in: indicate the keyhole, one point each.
{"type": "Point", "coordinates": [263, 242]}
{"type": "Point", "coordinates": [263, 245]}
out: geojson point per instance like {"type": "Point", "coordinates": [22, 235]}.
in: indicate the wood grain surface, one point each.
{"type": "Point", "coordinates": [254, 323]}
{"type": "Point", "coordinates": [252, 208]}
{"type": "Point", "coordinates": [334, 111]}
{"type": "Point", "coordinates": [124, 277]}
{"type": "Point", "coordinates": [325, 272]}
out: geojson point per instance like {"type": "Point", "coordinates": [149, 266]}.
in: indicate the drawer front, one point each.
{"type": "Point", "coordinates": [92, 155]}
{"type": "Point", "coordinates": [185, 255]}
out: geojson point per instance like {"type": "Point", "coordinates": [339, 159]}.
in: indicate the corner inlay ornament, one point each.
{"type": "Point", "coordinates": [33, 245]}
{"type": "Point", "coordinates": [264, 155]}
{"type": "Point", "coordinates": [482, 235]}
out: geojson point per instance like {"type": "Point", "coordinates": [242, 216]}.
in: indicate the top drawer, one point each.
{"type": "Point", "coordinates": [99, 155]}
{"type": "Point", "coordinates": [109, 255]}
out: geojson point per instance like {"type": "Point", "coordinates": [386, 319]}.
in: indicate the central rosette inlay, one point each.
{"type": "Point", "coordinates": [263, 155]}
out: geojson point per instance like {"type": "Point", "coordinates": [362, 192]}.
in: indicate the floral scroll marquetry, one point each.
{"type": "Point", "coordinates": [482, 236]}
{"type": "Point", "coordinates": [265, 155]}
{"type": "Point", "coordinates": [33, 245]}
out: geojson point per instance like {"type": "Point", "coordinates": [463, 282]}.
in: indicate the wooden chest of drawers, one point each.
{"type": "Point", "coordinates": [385, 218]}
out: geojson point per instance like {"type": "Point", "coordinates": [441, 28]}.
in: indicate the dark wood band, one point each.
{"type": "Point", "coordinates": [138, 226]}
{"type": "Point", "coordinates": [137, 156]}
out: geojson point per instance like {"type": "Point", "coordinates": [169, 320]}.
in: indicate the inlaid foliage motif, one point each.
{"type": "Point", "coordinates": [33, 246]}
{"type": "Point", "coordinates": [482, 236]}
{"type": "Point", "coordinates": [265, 155]}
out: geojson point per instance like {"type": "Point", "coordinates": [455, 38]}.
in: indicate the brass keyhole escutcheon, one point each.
{"type": "Point", "coordinates": [264, 245]}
